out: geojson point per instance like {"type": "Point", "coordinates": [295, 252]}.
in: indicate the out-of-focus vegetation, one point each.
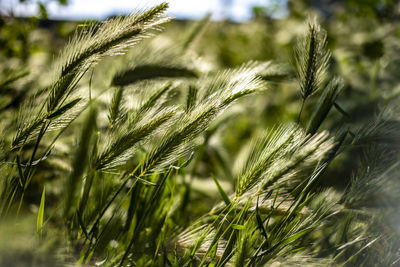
{"type": "Point", "coordinates": [273, 142]}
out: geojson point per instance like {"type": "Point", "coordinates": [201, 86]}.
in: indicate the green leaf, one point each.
{"type": "Point", "coordinates": [295, 236]}
{"type": "Point", "coordinates": [39, 223]}
{"type": "Point", "coordinates": [221, 191]}
{"type": "Point", "coordinates": [325, 104]}
{"type": "Point", "coordinates": [237, 226]}
{"type": "Point", "coordinates": [79, 163]}
{"type": "Point", "coordinates": [260, 221]}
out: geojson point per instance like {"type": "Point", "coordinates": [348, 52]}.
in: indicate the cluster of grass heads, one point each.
{"type": "Point", "coordinates": [105, 166]}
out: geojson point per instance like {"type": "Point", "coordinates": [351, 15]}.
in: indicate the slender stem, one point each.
{"type": "Point", "coordinates": [344, 113]}
{"type": "Point", "coordinates": [108, 205]}
{"type": "Point", "coordinates": [301, 110]}
{"type": "Point", "coordinates": [157, 191]}
{"type": "Point", "coordinates": [27, 171]}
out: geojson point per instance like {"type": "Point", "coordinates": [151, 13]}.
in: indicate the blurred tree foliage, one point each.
{"type": "Point", "coordinates": [42, 5]}
{"type": "Point", "coordinates": [378, 9]}
{"type": "Point", "coordinates": [18, 39]}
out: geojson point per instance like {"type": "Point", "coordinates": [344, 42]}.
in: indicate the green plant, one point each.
{"type": "Point", "coordinates": [120, 170]}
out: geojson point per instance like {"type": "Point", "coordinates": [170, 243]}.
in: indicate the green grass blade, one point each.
{"type": "Point", "coordinates": [39, 221]}
{"type": "Point", "coordinates": [221, 191]}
